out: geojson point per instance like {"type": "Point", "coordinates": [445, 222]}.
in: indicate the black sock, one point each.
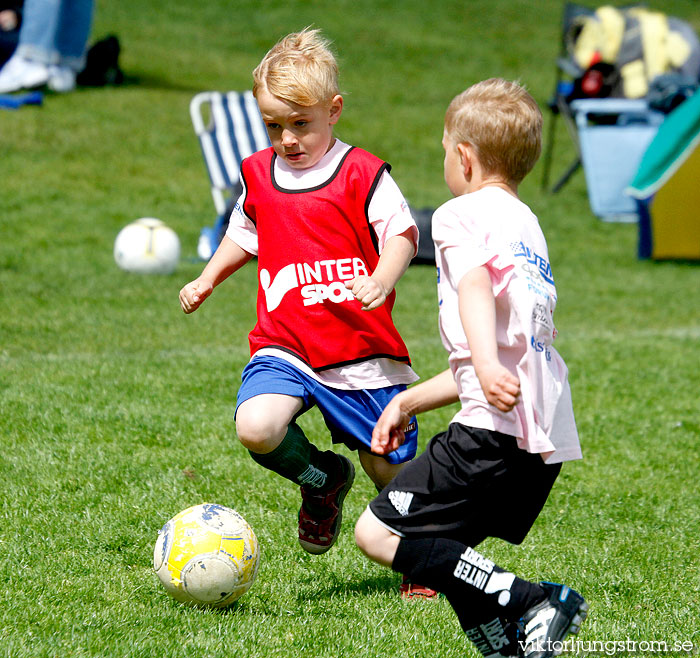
{"type": "Point", "coordinates": [495, 638]}
{"type": "Point", "coordinates": [477, 589]}
{"type": "Point", "coordinates": [300, 461]}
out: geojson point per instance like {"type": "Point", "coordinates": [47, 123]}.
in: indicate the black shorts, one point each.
{"type": "Point", "coordinates": [468, 485]}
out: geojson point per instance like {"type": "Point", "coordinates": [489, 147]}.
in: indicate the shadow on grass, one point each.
{"type": "Point", "coordinates": [260, 605]}
{"type": "Point", "coordinates": [156, 83]}
{"type": "Point", "coordinates": [147, 81]}
{"type": "Point", "coordinates": [368, 586]}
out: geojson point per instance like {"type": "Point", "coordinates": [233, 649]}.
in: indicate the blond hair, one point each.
{"type": "Point", "coordinates": [300, 68]}
{"type": "Point", "coordinates": [502, 122]}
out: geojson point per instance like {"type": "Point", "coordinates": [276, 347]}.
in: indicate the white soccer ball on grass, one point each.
{"type": "Point", "coordinates": [147, 246]}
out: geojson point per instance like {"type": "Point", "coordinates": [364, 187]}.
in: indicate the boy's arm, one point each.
{"type": "Point", "coordinates": [477, 309]}
{"type": "Point", "coordinates": [439, 391]}
{"type": "Point", "coordinates": [228, 258]}
{"type": "Point", "coordinates": [372, 291]}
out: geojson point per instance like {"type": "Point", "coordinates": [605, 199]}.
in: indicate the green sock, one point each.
{"type": "Point", "coordinates": [298, 460]}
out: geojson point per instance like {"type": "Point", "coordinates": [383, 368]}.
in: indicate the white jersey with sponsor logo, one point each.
{"type": "Point", "coordinates": [492, 228]}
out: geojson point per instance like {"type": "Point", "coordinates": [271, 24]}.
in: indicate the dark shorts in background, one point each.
{"type": "Point", "coordinates": [468, 485]}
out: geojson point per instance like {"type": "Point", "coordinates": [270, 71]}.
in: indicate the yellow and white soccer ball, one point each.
{"type": "Point", "coordinates": [147, 246]}
{"type": "Point", "coordinates": [207, 555]}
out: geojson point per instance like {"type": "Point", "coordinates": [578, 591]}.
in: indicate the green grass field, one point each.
{"type": "Point", "coordinates": [116, 409]}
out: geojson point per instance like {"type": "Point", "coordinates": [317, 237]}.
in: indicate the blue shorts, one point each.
{"type": "Point", "coordinates": [350, 415]}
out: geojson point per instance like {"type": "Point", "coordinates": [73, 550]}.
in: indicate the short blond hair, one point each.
{"type": "Point", "coordinates": [502, 122]}
{"type": "Point", "coordinates": [300, 68]}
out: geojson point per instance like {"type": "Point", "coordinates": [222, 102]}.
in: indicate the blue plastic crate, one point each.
{"type": "Point", "coordinates": [613, 135]}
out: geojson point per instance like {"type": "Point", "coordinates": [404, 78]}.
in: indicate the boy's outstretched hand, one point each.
{"type": "Point", "coordinates": [194, 293]}
{"type": "Point", "coordinates": [388, 433]}
{"type": "Point", "coordinates": [368, 291]}
{"type": "Point", "coordinates": [500, 386]}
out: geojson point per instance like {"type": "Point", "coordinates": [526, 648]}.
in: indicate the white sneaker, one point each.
{"type": "Point", "coordinates": [61, 79]}
{"type": "Point", "coordinates": [20, 73]}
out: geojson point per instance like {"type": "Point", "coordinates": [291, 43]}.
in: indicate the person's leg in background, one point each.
{"type": "Point", "coordinates": [51, 48]}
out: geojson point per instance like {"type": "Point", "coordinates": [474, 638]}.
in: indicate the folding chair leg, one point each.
{"type": "Point", "coordinates": [211, 236]}
{"type": "Point", "coordinates": [547, 159]}
{"type": "Point", "coordinates": [220, 226]}
{"type": "Point", "coordinates": [573, 167]}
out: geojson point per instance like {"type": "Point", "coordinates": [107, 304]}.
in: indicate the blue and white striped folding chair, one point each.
{"type": "Point", "coordinates": [229, 128]}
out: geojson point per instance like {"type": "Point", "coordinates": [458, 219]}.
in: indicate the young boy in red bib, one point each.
{"type": "Point", "coordinates": [333, 234]}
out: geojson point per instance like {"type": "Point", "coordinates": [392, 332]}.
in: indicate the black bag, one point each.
{"type": "Point", "coordinates": [668, 91]}
{"type": "Point", "coordinates": [102, 64]}
{"type": "Point", "coordinates": [426, 247]}
{"type": "Point", "coordinates": [600, 80]}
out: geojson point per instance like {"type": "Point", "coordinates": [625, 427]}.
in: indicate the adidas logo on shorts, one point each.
{"type": "Point", "coordinates": [401, 500]}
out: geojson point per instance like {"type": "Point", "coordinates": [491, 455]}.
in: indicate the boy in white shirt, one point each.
{"type": "Point", "coordinates": [491, 472]}
{"type": "Point", "coordinates": [333, 234]}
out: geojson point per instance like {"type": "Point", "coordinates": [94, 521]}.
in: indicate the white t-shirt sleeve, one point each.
{"type": "Point", "coordinates": [466, 244]}
{"type": "Point", "coordinates": [459, 241]}
{"type": "Point", "coordinates": [389, 213]}
{"type": "Point", "coordinates": [241, 228]}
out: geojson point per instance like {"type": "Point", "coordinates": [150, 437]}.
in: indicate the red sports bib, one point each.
{"type": "Point", "coordinates": [309, 243]}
